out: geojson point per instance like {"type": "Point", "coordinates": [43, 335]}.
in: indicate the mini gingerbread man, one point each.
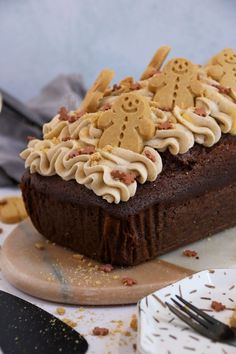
{"type": "Point", "coordinates": [177, 84]}
{"type": "Point", "coordinates": [96, 91]}
{"type": "Point", "coordinates": [127, 124]}
{"type": "Point", "coordinates": [222, 68]}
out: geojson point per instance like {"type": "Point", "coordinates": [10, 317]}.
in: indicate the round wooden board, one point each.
{"type": "Point", "coordinates": [56, 274]}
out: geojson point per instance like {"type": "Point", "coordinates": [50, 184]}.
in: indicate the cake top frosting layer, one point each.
{"type": "Point", "coordinates": [114, 140]}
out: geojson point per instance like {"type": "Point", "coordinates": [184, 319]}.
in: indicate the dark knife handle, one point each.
{"type": "Point", "coordinates": [27, 329]}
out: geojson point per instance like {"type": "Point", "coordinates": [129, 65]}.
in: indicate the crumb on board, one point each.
{"type": "Point", "coordinates": [40, 246]}
{"type": "Point", "coordinates": [129, 281]}
{"type": "Point", "coordinates": [106, 268]}
{"type": "Point", "coordinates": [190, 253]}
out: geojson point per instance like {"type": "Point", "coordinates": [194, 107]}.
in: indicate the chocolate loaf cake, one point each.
{"type": "Point", "coordinates": [194, 197]}
{"type": "Point", "coordinates": [142, 167]}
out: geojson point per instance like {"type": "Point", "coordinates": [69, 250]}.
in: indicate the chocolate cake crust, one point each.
{"type": "Point", "coordinates": [192, 198]}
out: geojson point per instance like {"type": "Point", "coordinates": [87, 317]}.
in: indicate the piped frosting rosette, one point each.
{"type": "Point", "coordinates": [83, 129]}
{"type": "Point", "coordinates": [204, 129]}
{"type": "Point", "coordinates": [110, 172]}
{"type": "Point", "coordinates": [177, 139]}
{"type": "Point", "coordinates": [222, 108]}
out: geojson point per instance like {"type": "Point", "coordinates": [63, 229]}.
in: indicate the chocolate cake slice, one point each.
{"type": "Point", "coordinates": [193, 197]}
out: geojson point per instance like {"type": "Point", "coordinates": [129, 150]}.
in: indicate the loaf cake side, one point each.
{"type": "Point", "coordinates": [193, 198]}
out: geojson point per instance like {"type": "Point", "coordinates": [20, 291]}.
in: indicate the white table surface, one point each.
{"type": "Point", "coordinates": [118, 341]}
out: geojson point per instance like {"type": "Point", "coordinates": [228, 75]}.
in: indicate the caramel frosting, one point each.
{"type": "Point", "coordinates": [83, 129]}
{"type": "Point", "coordinates": [115, 144]}
{"type": "Point", "coordinates": [95, 170]}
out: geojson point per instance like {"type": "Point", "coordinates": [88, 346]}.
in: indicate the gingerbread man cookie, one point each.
{"type": "Point", "coordinates": [177, 84]}
{"type": "Point", "coordinates": [156, 62]}
{"type": "Point", "coordinates": [128, 124]}
{"type": "Point", "coordinates": [222, 68]}
{"type": "Point", "coordinates": [96, 91]}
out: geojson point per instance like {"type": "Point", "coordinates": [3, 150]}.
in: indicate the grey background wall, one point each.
{"type": "Point", "coordinates": [41, 39]}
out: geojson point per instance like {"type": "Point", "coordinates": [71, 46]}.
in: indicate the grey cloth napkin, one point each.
{"type": "Point", "coordinates": [18, 121]}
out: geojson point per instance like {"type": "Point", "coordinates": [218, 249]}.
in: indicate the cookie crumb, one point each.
{"type": "Point", "coordinates": [217, 306]}
{"type": "Point", "coordinates": [126, 178]}
{"type": "Point", "coordinates": [63, 114]}
{"type": "Point", "coordinates": [222, 89]}
{"type": "Point", "coordinates": [100, 331]}
{"type": "Point", "coordinates": [189, 253]}
{"type": "Point", "coordinates": [134, 323]}
{"type": "Point", "coordinates": [200, 111]}
{"type": "Point", "coordinates": [106, 268]}
{"type": "Point", "coordinates": [149, 155]}
{"type": "Point", "coordinates": [129, 281]}
{"type": "Point", "coordinates": [60, 311]}
{"type": "Point", "coordinates": [165, 125]}
{"type": "Point", "coordinates": [127, 334]}
{"type": "Point", "coordinates": [40, 246]}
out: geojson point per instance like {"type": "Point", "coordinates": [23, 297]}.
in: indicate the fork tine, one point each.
{"type": "Point", "coordinates": [200, 329]}
{"type": "Point", "coordinates": [201, 313]}
{"type": "Point", "coordinates": [191, 314]}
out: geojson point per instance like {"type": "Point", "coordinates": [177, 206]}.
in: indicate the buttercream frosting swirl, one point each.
{"type": "Point", "coordinates": [93, 171]}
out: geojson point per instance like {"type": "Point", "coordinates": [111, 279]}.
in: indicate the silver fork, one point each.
{"type": "Point", "coordinates": [202, 323]}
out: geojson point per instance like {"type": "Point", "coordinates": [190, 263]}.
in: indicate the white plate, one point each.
{"type": "Point", "coordinates": [160, 332]}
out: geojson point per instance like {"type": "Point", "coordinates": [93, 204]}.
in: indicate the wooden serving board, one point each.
{"type": "Point", "coordinates": [57, 274]}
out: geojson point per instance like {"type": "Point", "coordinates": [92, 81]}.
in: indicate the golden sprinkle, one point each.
{"type": "Point", "coordinates": [134, 323]}
{"type": "Point", "coordinates": [69, 322]}
{"type": "Point", "coordinates": [60, 311]}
